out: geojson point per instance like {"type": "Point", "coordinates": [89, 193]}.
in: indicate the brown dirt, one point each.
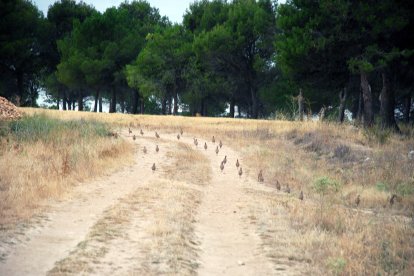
{"type": "Point", "coordinates": [8, 111]}
{"type": "Point", "coordinates": [121, 224]}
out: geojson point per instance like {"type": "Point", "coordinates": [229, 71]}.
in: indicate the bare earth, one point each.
{"type": "Point", "coordinates": [137, 222]}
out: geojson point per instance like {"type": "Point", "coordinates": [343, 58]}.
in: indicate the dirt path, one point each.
{"type": "Point", "coordinates": [229, 244]}
{"type": "Point", "coordinates": [139, 222]}
{"type": "Point", "coordinates": [69, 222]}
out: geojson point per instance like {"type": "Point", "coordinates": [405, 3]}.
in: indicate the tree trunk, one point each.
{"type": "Point", "coordinates": [360, 111]}
{"type": "Point", "coordinates": [387, 100]}
{"type": "Point", "coordinates": [112, 106]}
{"type": "Point", "coordinates": [342, 100]}
{"type": "Point", "coordinates": [95, 107]}
{"type": "Point", "coordinates": [175, 111]}
{"type": "Point", "coordinates": [100, 104]}
{"type": "Point", "coordinates": [300, 105]}
{"type": "Point", "coordinates": [322, 114]}
{"type": "Point", "coordinates": [232, 103]}
{"type": "Point", "coordinates": [142, 108]}
{"type": "Point", "coordinates": [255, 105]}
{"type": "Point", "coordinates": [68, 102]}
{"type": "Point", "coordinates": [164, 106]}
{"type": "Point", "coordinates": [64, 100]}
{"type": "Point", "coordinates": [80, 101]}
{"type": "Point", "coordinates": [407, 108]}
{"type": "Point", "coordinates": [17, 97]}
{"type": "Point", "coordinates": [367, 99]}
{"type": "Point", "coordinates": [134, 102]}
{"type": "Point", "coordinates": [122, 103]}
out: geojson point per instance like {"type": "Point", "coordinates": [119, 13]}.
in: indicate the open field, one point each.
{"type": "Point", "coordinates": [189, 217]}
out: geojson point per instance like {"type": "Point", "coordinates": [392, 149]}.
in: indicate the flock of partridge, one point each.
{"type": "Point", "coordinates": [260, 177]}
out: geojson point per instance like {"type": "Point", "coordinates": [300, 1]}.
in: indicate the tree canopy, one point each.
{"type": "Point", "coordinates": [256, 55]}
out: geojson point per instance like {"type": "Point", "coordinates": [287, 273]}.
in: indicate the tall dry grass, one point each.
{"type": "Point", "coordinates": [372, 238]}
{"type": "Point", "coordinates": [41, 157]}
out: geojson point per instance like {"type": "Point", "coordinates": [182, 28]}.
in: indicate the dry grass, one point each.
{"type": "Point", "coordinates": [370, 239]}
{"type": "Point", "coordinates": [34, 169]}
{"type": "Point", "coordinates": [151, 229]}
{"type": "Point", "coordinates": [188, 165]}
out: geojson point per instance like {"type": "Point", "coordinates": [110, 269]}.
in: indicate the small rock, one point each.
{"type": "Point", "coordinates": [234, 211]}
{"type": "Point", "coordinates": [240, 262]}
{"type": "Point", "coordinates": [411, 155]}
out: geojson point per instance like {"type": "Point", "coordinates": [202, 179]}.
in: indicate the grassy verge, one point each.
{"type": "Point", "coordinates": [332, 165]}
{"type": "Point", "coordinates": [42, 156]}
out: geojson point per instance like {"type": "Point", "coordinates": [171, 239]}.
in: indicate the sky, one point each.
{"type": "Point", "coordinates": [174, 10]}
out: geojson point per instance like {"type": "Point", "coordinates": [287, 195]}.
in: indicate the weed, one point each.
{"type": "Point", "coordinates": [337, 265]}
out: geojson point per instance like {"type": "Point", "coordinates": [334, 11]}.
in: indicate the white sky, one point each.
{"type": "Point", "coordinates": [174, 10]}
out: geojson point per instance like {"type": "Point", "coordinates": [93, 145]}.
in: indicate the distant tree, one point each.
{"type": "Point", "coordinates": [321, 44]}
{"type": "Point", "coordinates": [22, 31]}
{"type": "Point", "coordinates": [242, 47]}
{"type": "Point", "coordinates": [158, 69]}
{"type": "Point", "coordinates": [61, 18]}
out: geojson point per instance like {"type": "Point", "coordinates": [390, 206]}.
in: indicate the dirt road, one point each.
{"type": "Point", "coordinates": [137, 221]}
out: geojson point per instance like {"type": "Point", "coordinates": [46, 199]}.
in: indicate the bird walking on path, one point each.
{"type": "Point", "coordinates": [225, 159]}
{"type": "Point", "coordinates": [196, 142]}
{"type": "Point", "coordinates": [237, 163]}
{"type": "Point", "coordinates": [394, 198]}
{"type": "Point", "coordinates": [287, 190]}
{"type": "Point", "coordinates": [157, 135]}
{"type": "Point", "coordinates": [129, 130]}
{"type": "Point", "coordinates": [205, 145]}
{"type": "Point", "coordinates": [153, 167]}
{"type": "Point", "coordinates": [220, 144]}
{"type": "Point", "coordinates": [134, 137]}
{"type": "Point", "coordinates": [217, 150]}
{"type": "Point", "coordinates": [240, 172]}
{"type": "Point", "coordinates": [358, 200]}
{"type": "Point", "coordinates": [277, 185]}
{"type": "Point", "coordinates": [145, 150]}
{"type": "Point", "coordinates": [213, 140]}
{"type": "Point", "coordinates": [178, 136]}
{"type": "Point", "coordinates": [222, 167]}
{"type": "Point", "coordinates": [157, 149]}
{"type": "Point", "coordinates": [141, 132]}
{"type": "Point", "coordinates": [301, 195]}
{"type": "Point", "coordinates": [260, 177]}
{"type": "Point", "coordinates": [181, 132]}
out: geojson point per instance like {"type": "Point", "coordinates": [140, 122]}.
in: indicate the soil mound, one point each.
{"type": "Point", "coordinates": [8, 111]}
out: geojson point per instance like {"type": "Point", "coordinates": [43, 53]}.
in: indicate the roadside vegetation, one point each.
{"type": "Point", "coordinates": [41, 157]}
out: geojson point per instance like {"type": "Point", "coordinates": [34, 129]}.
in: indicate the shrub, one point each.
{"type": "Point", "coordinates": [377, 135]}
{"type": "Point", "coordinates": [41, 127]}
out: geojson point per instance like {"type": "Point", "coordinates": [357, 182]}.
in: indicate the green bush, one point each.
{"type": "Point", "coordinates": [324, 185]}
{"type": "Point", "coordinates": [377, 135]}
{"type": "Point", "coordinates": [337, 265]}
{"type": "Point", "coordinates": [382, 187]}
{"type": "Point", "coordinates": [405, 189]}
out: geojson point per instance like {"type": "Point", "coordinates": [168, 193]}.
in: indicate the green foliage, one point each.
{"type": "Point", "coordinates": [377, 135]}
{"type": "Point", "coordinates": [337, 265]}
{"type": "Point", "coordinates": [405, 189]}
{"type": "Point", "coordinates": [23, 33]}
{"type": "Point", "coordinates": [325, 185]}
{"type": "Point", "coordinates": [43, 128]}
{"type": "Point", "coordinates": [382, 187]}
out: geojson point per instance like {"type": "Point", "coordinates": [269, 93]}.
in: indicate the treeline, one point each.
{"type": "Point", "coordinates": [255, 55]}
